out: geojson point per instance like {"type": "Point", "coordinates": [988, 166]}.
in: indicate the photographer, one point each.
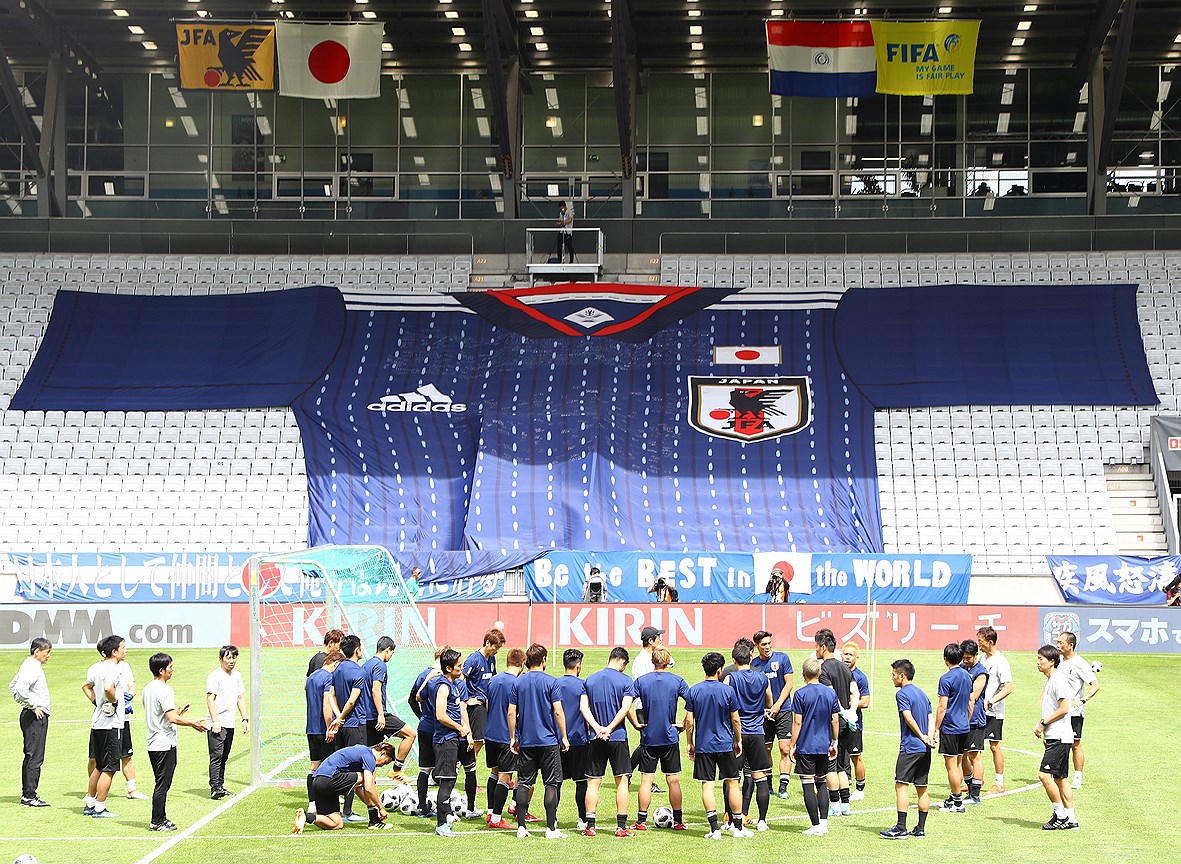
{"type": "Point", "coordinates": [665, 593]}
{"type": "Point", "coordinates": [594, 590]}
{"type": "Point", "coordinates": [777, 587]}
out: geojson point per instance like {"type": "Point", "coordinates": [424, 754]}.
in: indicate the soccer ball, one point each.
{"type": "Point", "coordinates": [1097, 666]}
{"type": "Point", "coordinates": [409, 804]}
{"type": "Point", "coordinates": [663, 817]}
{"type": "Point", "coordinates": [389, 798]}
{"type": "Point", "coordinates": [457, 802]}
{"type": "Point", "coordinates": [25, 859]}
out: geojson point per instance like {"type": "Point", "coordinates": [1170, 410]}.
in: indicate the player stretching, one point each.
{"type": "Point", "coordinates": [814, 743]}
{"type": "Point", "coordinates": [972, 763]}
{"type": "Point", "coordinates": [502, 761]}
{"type": "Point", "coordinates": [1000, 685]}
{"type": "Point", "coordinates": [1084, 685]}
{"type": "Point", "coordinates": [1056, 731]}
{"type": "Point", "coordinates": [777, 667]}
{"type": "Point", "coordinates": [660, 743]}
{"type": "Point", "coordinates": [951, 722]}
{"type": "Point", "coordinates": [346, 772]}
{"type": "Point", "coordinates": [849, 655]}
{"type": "Point", "coordinates": [713, 732]}
{"type": "Point", "coordinates": [754, 694]}
{"type": "Point", "coordinates": [610, 694]}
{"type": "Point", "coordinates": [915, 721]}
{"type": "Point", "coordinates": [537, 728]}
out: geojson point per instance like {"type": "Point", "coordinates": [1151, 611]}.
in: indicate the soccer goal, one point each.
{"type": "Point", "coordinates": [357, 589]}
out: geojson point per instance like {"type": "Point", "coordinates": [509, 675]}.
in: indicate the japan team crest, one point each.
{"type": "Point", "coordinates": [749, 409]}
{"type": "Point", "coordinates": [1056, 623]}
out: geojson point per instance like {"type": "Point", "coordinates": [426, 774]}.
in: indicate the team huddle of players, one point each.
{"type": "Point", "coordinates": [536, 727]}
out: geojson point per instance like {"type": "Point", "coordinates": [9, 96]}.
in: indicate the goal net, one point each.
{"type": "Point", "coordinates": [357, 589]}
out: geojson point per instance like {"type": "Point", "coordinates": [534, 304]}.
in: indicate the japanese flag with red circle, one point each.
{"type": "Point", "coordinates": [329, 61]}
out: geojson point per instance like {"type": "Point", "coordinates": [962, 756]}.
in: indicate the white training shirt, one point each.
{"type": "Point", "coordinates": [226, 688]}
{"type": "Point", "coordinates": [1080, 675]}
{"type": "Point", "coordinates": [998, 673]}
{"type": "Point", "coordinates": [29, 687]}
{"type": "Point", "coordinates": [158, 700]}
{"type": "Point", "coordinates": [98, 675]}
{"type": "Point", "coordinates": [1057, 688]}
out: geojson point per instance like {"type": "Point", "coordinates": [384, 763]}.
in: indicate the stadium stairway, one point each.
{"type": "Point", "coordinates": [1135, 513]}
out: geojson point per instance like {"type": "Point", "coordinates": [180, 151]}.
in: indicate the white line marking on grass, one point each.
{"type": "Point", "coordinates": [196, 826]}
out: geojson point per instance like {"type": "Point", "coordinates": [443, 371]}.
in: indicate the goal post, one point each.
{"type": "Point", "coordinates": [357, 589]}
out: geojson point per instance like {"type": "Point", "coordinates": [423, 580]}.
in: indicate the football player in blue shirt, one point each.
{"type": "Point", "coordinates": [610, 694]}
{"type": "Point", "coordinates": [322, 710]}
{"type": "Point", "coordinates": [713, 733]}
{"type": "Point", "coordinates": [850, 652]}
{"type": "Point", "coordinates": [916, 722]}
{"type": "Point", "coordinates": [972, 763]}
{"type": "Point", "coordinates": [753, 692]}
{"type": "Point", "coordinates": [478, 670]}
{"type": "Point", "coordinates": [814, 742]}
{"type": "Point", "coordinates": [346, 771]}
{"type": "Point", "coordinates": [498, 755]}
{"type": "Point", "coordinates": [355, 707]}
{"type": "Point", "coordinates": [537, 726]}
{"type": "Point", "coordinates": [571, 691]}
{"type": "Point", "coordinates": [421, 704]}
{"type": "Point", "coordinates": [450, 729]}
{"type": "Point", "coordinates": [777, 667]}
{"type": "Point", "coordinates": [951, 722]}
{"type": "Point", "coordinates": [660, 743]}
{"type": "Point", "coordinates": [385, 723]}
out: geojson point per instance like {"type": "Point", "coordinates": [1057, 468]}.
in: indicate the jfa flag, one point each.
{"type": "Point", "coordinates": [329, 61]}
{"type": "Point", "coordinates": [825, 60]}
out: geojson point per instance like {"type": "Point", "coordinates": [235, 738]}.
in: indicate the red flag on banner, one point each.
{"type": "Point", "coordinates": [329, 61]}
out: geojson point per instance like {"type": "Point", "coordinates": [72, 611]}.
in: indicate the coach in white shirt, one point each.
{"type": "Point", "coordinates": [30, 689]}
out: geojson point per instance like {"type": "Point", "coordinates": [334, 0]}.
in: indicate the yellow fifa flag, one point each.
{"type": "Point", "coordinates": [226, 55]}
{"type": "Point", "coordinates": [925, 58]}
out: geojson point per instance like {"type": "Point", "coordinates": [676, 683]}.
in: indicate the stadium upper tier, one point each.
{"type": "Point", "coordinates": [1005, 483]}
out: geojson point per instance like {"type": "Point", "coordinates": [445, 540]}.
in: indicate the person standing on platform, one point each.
{"type": "Point", "coordinates": [565, 231]}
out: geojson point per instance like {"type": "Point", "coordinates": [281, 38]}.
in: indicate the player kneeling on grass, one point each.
{"type": "Point", "coordinates": [162, 718]}
{"type": "Point", "coordinates": [1056, 730]}
{"type": "Point", "coordinates": [713, 732]}
{"type": "Point", "coordinates": [814, 733]}
{"type": "Point", "coordinates": [348, 770]}
{"type": "Point", "coordinates": [916, 720]}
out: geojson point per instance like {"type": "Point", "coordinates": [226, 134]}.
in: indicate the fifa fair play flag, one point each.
{"type": "Point", "coordinates": [926, 58]}
{"type": "Point", "coordinates": [329, 61]}
{"type": "Point", "coordinates": [824, 60]}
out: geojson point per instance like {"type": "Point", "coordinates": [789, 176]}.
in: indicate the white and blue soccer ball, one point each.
{"type": "Point", "coordinates": [409, 804]}
{"type": "Point", "coordinates": [663, 817]}
{"type": "Point", "coordinates": [389, 798]}
{"type": "Point", "coordinates": [25, 859]}
{"type": "Point", "coordinates": [1096, 665]}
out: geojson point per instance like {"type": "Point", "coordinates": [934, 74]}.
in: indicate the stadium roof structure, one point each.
{"type": "Point", "coordinates": [551, 35]}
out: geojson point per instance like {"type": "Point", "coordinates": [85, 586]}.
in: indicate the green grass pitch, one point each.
{"type": "Point", "coordinates": [1118, 807]}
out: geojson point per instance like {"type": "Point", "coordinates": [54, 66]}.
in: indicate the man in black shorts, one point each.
{"type": "Point", "coordinates": [713, 732]}
{"type": "Point", "coordinates": [501, 759]}
{"type": "Point", "coordinates": [1055, 729]}
{"type": "Point", "coordinates": [660, 743]}
{"type": "Point", "coordinates": [537, 725]}
{"type": "Point", "coordinates": [951, 722]}
{"type": "Point", "coordinates": [754, 694]}
{"type": "Point", "coordinates": [571, 691]}
{"type": "Point", "coordinates": [384, 723]}
{"type": "Point", "coordinates": [835, 674]}
{"type": "Point", "coordinates": [914, 751]}
{"type": "Point", "coordinates": [814, 742]}
{"type": "Point", "coordinates": [322, 711]}
{"type": "Point", "coordinates": [609, 694]}
{"type": "Point", "coordinates": [345, 772]}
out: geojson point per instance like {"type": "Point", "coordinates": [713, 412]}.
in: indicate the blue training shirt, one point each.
{"type": "Point", "coordinates": [776, 668]}
{"type": "Point", "coordinates": [478, 670]}
{"type": "Point", "coordinates": [606, 690]}
{"type": "Point", "coordinates": [318, 683]}
{"type": "Point", "coordinates": [956, 685]}
{"type": "Point", "coordinates": [750, 688]}
{"type": "Point", "coordinates": [570, 690]}
{"type": "Point", "coordinates": [659, 692]}
{"type": "Point", "coordinates": [978, 717]}
{"type": "Point", "coordinates": [375, 670]}
{"type": "Point", "coordinates": [712, 702]}
{"type": "Point", "coordinates": [412, 696]}
{"type": "Point", "coordinates": [815, 703]}
{"type": "Point", "coordinates": [534, 694]}
{"type": "Point", "coordinates": [500, 691]}
{"type": "Point", "coordinates": [355, 758]}
{"type": "Point", "coordinates": [863, 689]}
{"type": "Point", "coordinates": [456, 692]}
{"type": "Point", "coordinates": [911, 698]}
{"type": "Point", "coordinates": [349, 676]}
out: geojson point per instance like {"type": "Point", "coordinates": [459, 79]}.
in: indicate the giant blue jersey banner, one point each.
{"type": "Point", "coordinates": [471, 434]}
{"type": "Point", "coordinates": [1122, 580]}
{"type": "Point", "coordinates": [631, 577]}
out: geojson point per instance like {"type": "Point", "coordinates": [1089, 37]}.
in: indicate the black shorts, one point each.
{"type": "Point", "coordinates": [1056, 761]}
{"type": "Point", "coordinates": [975, 740]}
{"type": "Point", "coordinates": [666, 757]}
{"type": "Point", "coordinates": [855, 742]}
{"type": "Point", "coordinates": [393, 725]}
{"type": "Point", "coordinates": [426, 753]}
{"type": "Point", "coordinates": [546, 761]}
{"type": "Point", "coordinates": [126, 750]}
{"type": "Point", "coordinates": [994, 728]}
{"type": "Point", "coordinates": [326, 791]}
{"type": "Point", "coordinates": [106, 745]}
{"type": "Point", "coordinates": [841, 763]}
{"type": "Point", "coordinates": [602, 753]}
{"type": "Point", "coordinates": [812, 764]}
{"type": "Point", "coordinates": [477, 718]}
{"type": "Point", "coordinates": [953, 743]}
{"type": "Point", "coordinates": [913, 768]}
{"type": "Point", "coordinates": [1076, 723]}
{"type": "Point", "coordinates": [350, 735]}
{"type": "Point", "coordinates": [779, 727]}
{"type": "Point", "coordinates": [573, 762]}
{"type": "Point", "coordinates": [447, 759]}
{"type": "Point", "coordinates": [466, 756]}
{"type": "Point", "coordinates": [319, 748]}
{"type": "Point", "coordinates": [708, 767]}
{"type": "Point", "coordinates": [499, 756]}
{"type": "Point", "coordinates": [754, 753]}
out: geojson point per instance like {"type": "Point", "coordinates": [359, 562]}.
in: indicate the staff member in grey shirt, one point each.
{"type": "Point", "coordinates": [31, 690]}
